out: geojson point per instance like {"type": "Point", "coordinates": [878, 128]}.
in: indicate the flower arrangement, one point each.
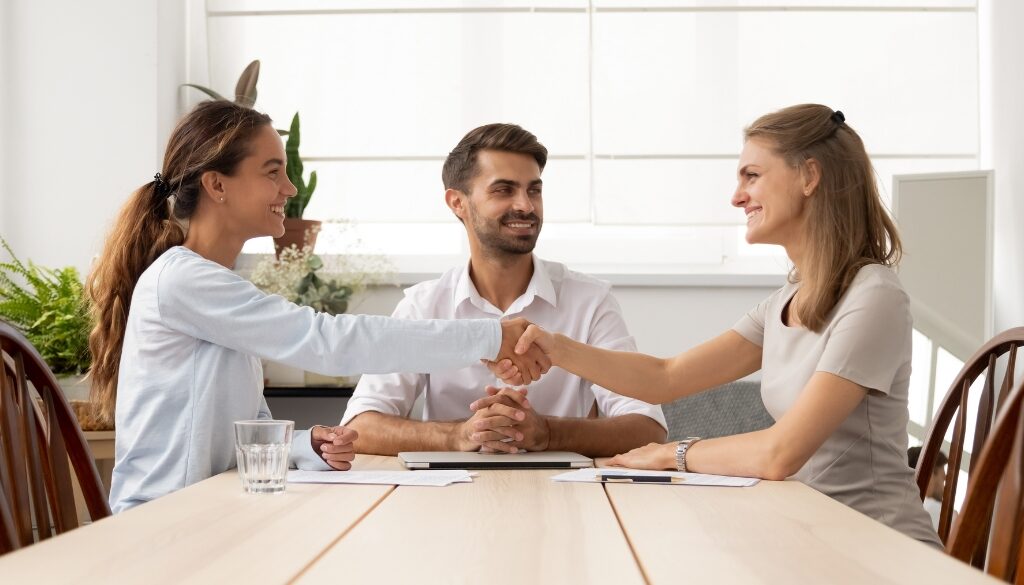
{"type": "Point", "coordinates": [295, 276]}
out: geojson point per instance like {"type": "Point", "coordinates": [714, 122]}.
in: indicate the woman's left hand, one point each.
{"type": "Point", "coordinates": [335, 445]}
{"type": "Point", "coordinates": [651, 456]}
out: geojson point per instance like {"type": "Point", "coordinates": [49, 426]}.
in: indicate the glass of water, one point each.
{"type": "Point", "coordinates": [262, 448]}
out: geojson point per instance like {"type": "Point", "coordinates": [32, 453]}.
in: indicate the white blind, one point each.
{"type": "Point", "coordinates": [641, 105]}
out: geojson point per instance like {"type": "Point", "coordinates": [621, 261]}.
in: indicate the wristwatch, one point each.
{"type": "Point", "coordinates": [681, 450]}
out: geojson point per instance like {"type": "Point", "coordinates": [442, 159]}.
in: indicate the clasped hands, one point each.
{"type": "Point", "coordinates": [503, 422]}
{"type": "Point", "coordinates": [525, 353]}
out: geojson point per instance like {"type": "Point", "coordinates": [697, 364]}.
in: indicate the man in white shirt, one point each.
{"type": "Point", "coordinates": [493, 186]}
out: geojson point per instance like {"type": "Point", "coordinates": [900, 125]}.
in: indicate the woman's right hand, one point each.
{"type": "Point", "coordinates": [534, 338]}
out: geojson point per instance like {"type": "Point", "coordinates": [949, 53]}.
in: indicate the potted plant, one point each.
{"type": "Point", "coordinates": [298, 232]}
{"type": "Point", "coordinates": [49, 307]}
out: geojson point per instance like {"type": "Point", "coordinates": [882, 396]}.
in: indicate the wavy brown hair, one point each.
{"type": "Point", "coordinates": [847, 225]}
{"type": "Point", "coordinates": [214, 136]}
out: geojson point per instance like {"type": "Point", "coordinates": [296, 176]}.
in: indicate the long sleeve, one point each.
{"type": "Point", "coordinates": [209, 302]}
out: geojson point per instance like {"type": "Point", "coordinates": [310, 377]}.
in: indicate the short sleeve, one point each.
{"type": "Point", "coordinates": [751, 325]}
{"type": "Point", "coordinates": [869, 337]}
{"type": "Point", "coordinates": [609, 332]}
{"type": "Point", "coordinates": [391, 394]}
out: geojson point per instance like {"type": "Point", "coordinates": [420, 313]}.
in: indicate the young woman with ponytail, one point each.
{"type": "Point", "coordinates": [177, 335]}
{"type": "Point", "coordinates": [833, 344]}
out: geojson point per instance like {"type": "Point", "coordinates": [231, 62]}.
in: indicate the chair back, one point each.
{"type": "Point", "coordinates": [992, 517]}
{"type": "Point", "coordinates": [953, 410]}
{"type": "Point", "coordinates": [38, 437]}
{"type": "Point", "coordinates": [729, 409]}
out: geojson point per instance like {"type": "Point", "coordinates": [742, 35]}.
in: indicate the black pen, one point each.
{"type": "Point", "coordinates": [607, 477]}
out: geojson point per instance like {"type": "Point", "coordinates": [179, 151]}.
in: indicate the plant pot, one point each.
{"type": "Point", "coordinates": [297, 232]}
{"type": "Point", "coordinates": [75, 387]}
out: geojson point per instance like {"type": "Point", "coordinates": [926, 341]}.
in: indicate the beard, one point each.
{"type": "Point", "coordinates": [490, 234]}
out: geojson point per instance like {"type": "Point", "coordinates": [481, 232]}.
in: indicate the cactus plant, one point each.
{"type": "Point", "coordinates": [297, 205]}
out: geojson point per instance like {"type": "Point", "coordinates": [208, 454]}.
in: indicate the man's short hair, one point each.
{"type": "Point", "coordinates": [460, 166]}
{"type": "Point", "coordinates": [914, 453]}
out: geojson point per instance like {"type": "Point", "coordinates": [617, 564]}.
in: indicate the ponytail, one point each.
{"type": "Point", "coordinates": [144, 230]}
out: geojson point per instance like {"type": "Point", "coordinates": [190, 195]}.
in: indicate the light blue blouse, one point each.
{"type": "Point", "coordinates": [190, 367]}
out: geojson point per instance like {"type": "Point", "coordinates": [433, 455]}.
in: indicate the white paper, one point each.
{"type": "Point", "coordinates": [590, 475]}
{"type": "Point", "coordinates": [431, 477]}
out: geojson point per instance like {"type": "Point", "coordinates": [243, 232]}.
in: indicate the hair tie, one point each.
{"type": "Point", "coordinates": [162, 188]}
{"type": "Point", "coordinates": [838, 117]}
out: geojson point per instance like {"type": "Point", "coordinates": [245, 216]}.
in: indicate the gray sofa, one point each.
{"type": "Point", "coordinates": [730, 409]}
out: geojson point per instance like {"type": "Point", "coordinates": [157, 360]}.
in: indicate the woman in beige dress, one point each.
{"type": "Point", "coordinates": [833, 345]}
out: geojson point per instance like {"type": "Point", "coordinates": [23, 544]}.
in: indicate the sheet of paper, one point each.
{"type": "Point", "coordinates": [431, 477]}
{"type": "Point", "coordinates": [590, 475]}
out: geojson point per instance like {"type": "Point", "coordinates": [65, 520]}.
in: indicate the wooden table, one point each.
{"type": "Point", "coordinates": [506, 527]}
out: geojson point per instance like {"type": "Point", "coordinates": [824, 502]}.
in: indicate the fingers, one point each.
{"type": "Point", "coordinates": [338, 456]}
{"type": "Point", "coordinates": [501, 409]}
{"type": "Point", "coordinates": [510, 396]}
{"type": "Point", "coordinates": [341, 435]}
{"type": "Point", "coordinates": [340, 465]}
{"type": "Point", "coordinates": [497, 434]}
{"type": "Point", "coordinates": [509, 374]}
{"type": "Point", "coordinates": [531, 336]}
{"type": "Point", "coordinates": [498, 447]}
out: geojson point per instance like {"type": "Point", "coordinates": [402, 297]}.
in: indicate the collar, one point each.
{"type": "Point", "coordinates": [540, 286]}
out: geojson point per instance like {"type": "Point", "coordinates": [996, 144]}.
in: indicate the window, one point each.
{"type": "Point", "coordinates": [641, 105]}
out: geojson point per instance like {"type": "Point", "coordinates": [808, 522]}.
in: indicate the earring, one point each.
{"type": "Point", "coordinates": [222, 200]}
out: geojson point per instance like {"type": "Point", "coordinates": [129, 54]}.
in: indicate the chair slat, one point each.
{"type": "Point", "coordinates": [15, 455]}
{"type": "Point", "coordinates": [952, 469]}
{"type": "Point", "coordinates": [42, 444]}
{"type": "Point", "coordinates": [8, 538]}
{"type": "Point", "coordinates": [953, 412]}
{"type": "Point", "coordinates": [33, 449]}
{"type": "Point", "coordinates": [995, 493]}
{"type": "Point", "coordinates": [58, 461]}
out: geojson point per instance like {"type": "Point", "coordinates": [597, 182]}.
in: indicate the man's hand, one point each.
{"type": "Point", "coordinates": [335, 445]}
{"type": "Point", "coordinates": [526, 365]}
{"type": "Point", "coordinates": [533, 344]}
{"type": "Point", "coordinates": [532, 432]}
{"type": "Point", "coordinates": [492, 426]}
{"type": "Point", "coordinates": [651, 456]}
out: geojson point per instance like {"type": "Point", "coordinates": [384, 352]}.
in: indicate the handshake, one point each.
{"type": "Point", "coordinates": [525, 355]}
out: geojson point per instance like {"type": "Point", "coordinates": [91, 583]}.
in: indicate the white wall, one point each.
{"type": "Point", "coordinates": [87, 95]}
{"type": "Point", "coordinates": [1001, 148]}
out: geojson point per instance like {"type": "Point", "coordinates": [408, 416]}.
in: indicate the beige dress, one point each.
{"type": "Point", "coordinates": [866, 340]}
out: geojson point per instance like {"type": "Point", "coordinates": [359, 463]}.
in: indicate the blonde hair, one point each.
{"type": "Point", "coordinates": [214, 136]}
{"type": "Point", "coordinates": [848, 226]}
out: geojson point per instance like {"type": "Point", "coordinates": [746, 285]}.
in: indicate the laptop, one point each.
{"type": "Point", "coordinates": [477, 460]}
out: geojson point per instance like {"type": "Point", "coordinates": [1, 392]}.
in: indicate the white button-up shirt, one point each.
{"type": "Point", "coordinates": [557, 299]}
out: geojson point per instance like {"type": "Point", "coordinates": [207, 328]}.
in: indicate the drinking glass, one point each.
{"type": "Point", "coordinates": [262, 448]}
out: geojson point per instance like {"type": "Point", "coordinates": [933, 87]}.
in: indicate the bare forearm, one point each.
{"type": "Point", "coordinates": [628, 373]}
{"type": "Point", "coordinates": [382, 434]}
{"type": "Point", "coordinates": [603, 437]}
{"type": "Point", "coordinates": [756, 454]}
{"type": "Point", "coordinates": [723, 359]}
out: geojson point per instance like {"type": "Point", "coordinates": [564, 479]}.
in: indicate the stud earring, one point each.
{"type": "Point", "coordinates": [222, 200]}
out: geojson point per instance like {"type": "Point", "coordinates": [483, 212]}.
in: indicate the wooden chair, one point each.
{"type": "Point", "coordinates": [992, 517]}
{"type": "Point", "coordinates": [38, 437]}
{"type": "Point", "coordinates": [955, 403]}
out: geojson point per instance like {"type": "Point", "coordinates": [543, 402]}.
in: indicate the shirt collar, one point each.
{"type": "Point", "coordinates": [540, 286]}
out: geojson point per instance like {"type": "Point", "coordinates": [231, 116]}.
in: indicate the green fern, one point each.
{"type": "Point", "coordinates": [49, 307]}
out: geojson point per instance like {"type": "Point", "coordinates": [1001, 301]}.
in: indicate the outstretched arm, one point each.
{"type": "Point", "coordinates": [723, 359]}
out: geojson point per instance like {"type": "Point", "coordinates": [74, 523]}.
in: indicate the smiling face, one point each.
{"type": "Point", "coordinates": [772, 194]}
{"type": "Point", "coordinates": [255, 194]}
{"type": "Point", "coordinates": [504, 210]}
